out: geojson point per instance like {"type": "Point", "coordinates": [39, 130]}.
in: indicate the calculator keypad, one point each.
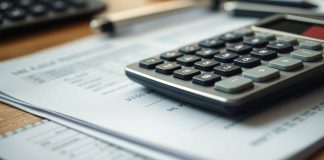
{"type": "Point", "coordinates": [236, 63]}
{"type": "Point", "coordinates": [15, 14]}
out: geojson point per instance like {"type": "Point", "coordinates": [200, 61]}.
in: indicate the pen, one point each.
{"type": "Point", "coordinates": [110, 22]}
{"type": "Point", "coordinates": [289, 3]}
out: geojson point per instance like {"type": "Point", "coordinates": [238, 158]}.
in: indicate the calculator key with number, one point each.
{"type": "Point", "coordinates": [239, 70]}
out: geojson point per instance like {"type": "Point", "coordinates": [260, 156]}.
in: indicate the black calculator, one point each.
{"type": "Point", "coordinates": [16, 14]}
{"type": "Point", "coordinates": [243, 69]}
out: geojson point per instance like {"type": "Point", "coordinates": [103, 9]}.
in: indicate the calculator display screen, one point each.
{"type": "Point", "coordinates": [297, 27]}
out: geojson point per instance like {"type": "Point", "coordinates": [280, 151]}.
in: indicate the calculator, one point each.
{"type": "Point", "coordinates": [246, 68]}
{"type": "Point", "coordinates": [17, 14]}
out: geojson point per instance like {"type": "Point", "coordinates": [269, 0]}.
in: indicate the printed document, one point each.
{"type": "Point", "coordinates": [51, 141]}
{"type": "Point", "coordinates": [85, 82]}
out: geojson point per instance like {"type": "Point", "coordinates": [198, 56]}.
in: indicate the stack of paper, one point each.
{"type": "Point", "coordinates": [84, 82]}
{"type": "Point", "coordinates": [51, 141]}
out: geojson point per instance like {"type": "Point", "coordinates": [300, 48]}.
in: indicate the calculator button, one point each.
{"type": "Point", "coordinates": [234, 84]}
{"type": "Point", "coordinates": [286, 63]}
{"type": "Point", "coordinates": [226, 57]}
{"type": "Point", "coordinates": [206, 79]}
{"type": "Point", "coordinates": [58, 5]}
{"type": "Point", "coordinates": [227, 70]}
{"type": "Point", "coordinates": [206, 65]}
{"type": "Point", "coordinates": [231, 37]}
{"type": "Point", "coordinates": [170, 56]}
{"type": "Point", "coordinates": [267, 36]}
{"type": "Point", "coordinates": [256, 42]}
{"type": "Point", "coordinates": [25, 3]}
{"type": "Point", "coordinates": [240, 49]}
{"type": "Point", "coordinates": [207, 53]}
{"type": "Point", "coordinates": [186, 73]}
{"type": "Point", "coordinates": [310, 45]}
{"type": "Point", "coordinates": [245, 32]}
{"type": "Point", "coordinates": [212, 43]}
{"type": "Point", "coordinates": [280, 47]}
{"type": "Point", "coordinates": [6, 5]}
{"type": "Point", "coordinates": [191, 49]}
{"type": "Point", "coordinates": [285, 39]}
{"type": "Point", "coordinates": [261, 73]}
{"type": "Point", "coordinates": [150, 63]}
{"type": "Point", "coordinates": [188, 60]}
{"type": "Point", "coordinates": [307, 55]}
{"type": "Point", "coordinates": [16, 14]}
{"type": "Point", "coordinates": [247, 61]}
{"type": "Point", "coordinates": [38, 9]}
{"type": "Point", "coordinates": [264, 54]}
{"type": "Point", "coordinates": [167, 68]}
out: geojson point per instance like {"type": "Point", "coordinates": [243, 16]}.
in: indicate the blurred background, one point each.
{"type": "Point", "coordinates": [32, 24]}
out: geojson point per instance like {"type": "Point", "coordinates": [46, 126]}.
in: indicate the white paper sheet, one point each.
{"type": "Point", "coordinates": [108, 138]}
{"type": "Point", "coordinates": [51, 141]}
{"type": "Point", "coordinates": [85, 81]}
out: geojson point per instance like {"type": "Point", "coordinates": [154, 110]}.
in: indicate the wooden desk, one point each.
{"type": "Point", "coordinates": [12, 118]}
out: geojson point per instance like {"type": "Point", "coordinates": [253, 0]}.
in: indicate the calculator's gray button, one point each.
{"type": "Point", "coordinates": [231, 37]}
{"type": "Point", "coordinates": [286, 63]}
{"type": "Point", "coordinates": [245, 32]}
{"type": "Point", "coordinates": [285, 39]}
{"type": "Point", "coordinates": [307, 55]}
{"type": "Point", "coordinates": [261, 73]}
{"type": "Point", "coordinates": [268, 36]}
{"type": "Point", "coordinates": [310, 45]}
{"type": "Point", "coordinates": [234, 84]}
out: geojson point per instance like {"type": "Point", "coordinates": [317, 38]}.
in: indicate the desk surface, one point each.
{"type": "Point", "coordinates": [12, 118]}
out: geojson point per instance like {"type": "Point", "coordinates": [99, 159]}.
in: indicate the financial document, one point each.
{"type": "Point", "coordinates": [85, 82]}
{"type": "Point", "coordinates": [52, 141]}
